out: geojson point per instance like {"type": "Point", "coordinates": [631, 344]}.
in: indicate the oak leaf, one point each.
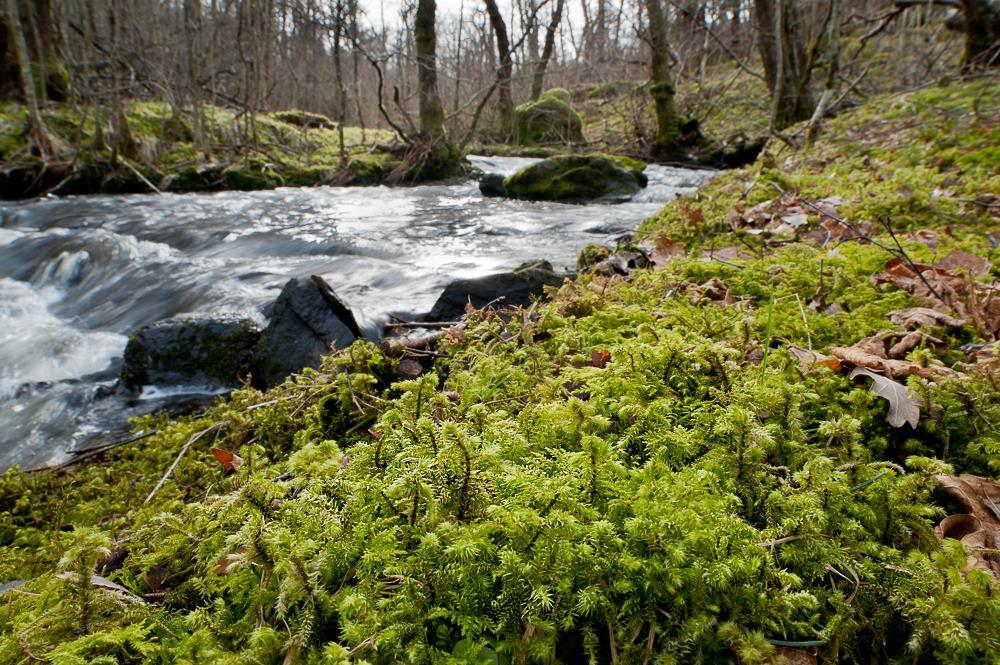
{"type": "Point", "coordinates": [903, 407]}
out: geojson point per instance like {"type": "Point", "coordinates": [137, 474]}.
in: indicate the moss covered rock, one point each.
{"type": "Point", "coordinates": [190, 351]}
{"type": "Point", "coordinates": [575, 178]}
{"type": "Point", "coordinates": [550, 119]}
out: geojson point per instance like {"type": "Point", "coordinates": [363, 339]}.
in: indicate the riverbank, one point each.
{"type": "Point", "coordinates": [684, 462]}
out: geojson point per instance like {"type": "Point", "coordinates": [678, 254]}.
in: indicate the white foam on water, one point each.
{"type": "Point", "coordinates": [36, 346]}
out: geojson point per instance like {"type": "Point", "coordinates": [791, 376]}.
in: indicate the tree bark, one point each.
{"type": "Point", "coordinates": [831, 85]}
{"type": "Point", "coordinates": [668, 141]}
{"type": "Point", "coordinates": [36, 126]}
{"type": "Point", "coordinates": [505, 98]}
{"type": "Point", "coordinates": [779, 29]}
{"type": "Point", "coordinates": [425, 36]}
{"type": "Point", "coordinates": [42, 40]}
{"type": "Point", "coordinates": [982, 34]}
{"type": "Point", "coordinates": [538, 79]}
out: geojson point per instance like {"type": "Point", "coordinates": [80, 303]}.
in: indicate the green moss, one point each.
{"type": "Point", "coordinates": [551, 119]}
{"type": "Point", "coordinates": [570, 178]}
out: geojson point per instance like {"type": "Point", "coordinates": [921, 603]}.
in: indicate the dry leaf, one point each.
{"type": "Point", "coordinates": [409, 368]}
{"type": "Point", "coordinates": [979, 528]}
{"type": "Point", "coordinates": [797, 656]}
{"type": "Point", "coordinates": [811, 359]}
{"type": "Point", "coordinates": [896, 369]}
{"type": "Point", "coordinates": [106, 584]}
{"type": "Point", "coordinates": [229, 461]}
{"type": "Point", "coordinates": [663, 249]}
{"type": "Point", "coordinates": [924, 317]}
{"type": "Point", "coordinates": [972, 263]}
{"type": "Point", "coordinates": [599, 359]}
{"type": "Point", "coordinates": [903, 408]}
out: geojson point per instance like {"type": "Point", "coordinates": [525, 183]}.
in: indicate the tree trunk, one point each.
{"type": "Point", "coordinates": [668, 141]}
{"type": "Point", "coordinates": [538, 79]}
{"type": "Point", "coordinates": [425, 36]}
{"type": "Point", "coordinates": [982, 34]}
{"type": "Point", "coordinates": [832, 83]}
{"type": "Point", "coordinates": [505, 98]}
{"type": "Point", "coordinates": [783, 54]}
{"type": "Point", "coordinates": [42, 41]}
{"type": "Point", "coordinates": [36, 126]}
{"type": "Point", "coordinates": [192, 33]}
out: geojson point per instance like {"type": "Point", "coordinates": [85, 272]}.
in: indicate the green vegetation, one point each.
{"type": "Point", "coordinates": [293, 149]}
{"type": "Point", "coordinates": [551, 119]}
{"type": "Point", "coordinates": [643, 469]}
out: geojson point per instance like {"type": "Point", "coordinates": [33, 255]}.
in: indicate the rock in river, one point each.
{"type": "Point", "coordinates": [190, 351]}
{"type": "Point", "coordinates": [307, 319]}
{"type": "Point", "coordinates": [516, 288]}
{"type": "Point", "coordinates": [575, 179]}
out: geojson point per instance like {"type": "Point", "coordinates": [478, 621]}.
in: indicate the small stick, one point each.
{"type": "Point", "coordinates": [177, 461]}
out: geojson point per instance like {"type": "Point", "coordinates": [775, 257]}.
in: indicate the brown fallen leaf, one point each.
{"type": "Point", "coordinates": [947, 292]}
{"type": "Point", "coordinates": [979, 528]}
{"type": "Point", "coordinates": [894, 369]}
{"type": "Point", "coordinates": [924, 317]}
{"type": "Point", "coordinates": [809, 360]}
{"type": "Point", "coordinates": [797, 656]}
{"type": "Point", "coordinates": [912, 340]}
{"type": "Point", "coordinates": [662, 250]}
{"type": "Point", "coordinates": [409, 368]}
{"type": "Point", "coordinates": [903, 407]}
{"type": "Point", "coordinates": [972, 263]}
{"type": "Point", "coordinates": [229, 461]}
{"type": "Point", "coordinates": [600, 359]}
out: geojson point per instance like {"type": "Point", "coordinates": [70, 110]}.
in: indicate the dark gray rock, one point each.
{"type": "Point", "coordinates": [190, 351]}
{"type": "Point", "coordinates": [308, 318]}
{"type": "Point", "coordinates": [516, 288]}
{"type": "Point", "coordinates": [491, 184]}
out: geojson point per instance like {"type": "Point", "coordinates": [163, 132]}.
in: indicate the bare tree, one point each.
{"type": "Point", "coordinates": [38, 133]}
{"type": "Point", "coordinates": [538, 79]}
{"type": "Point", "coordinates": [783, 53]}
{"type": "Point", "coordinates": [505, 98]}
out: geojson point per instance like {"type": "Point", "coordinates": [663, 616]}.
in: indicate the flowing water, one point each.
{"type": "Point", "coordinates": [78, 274]}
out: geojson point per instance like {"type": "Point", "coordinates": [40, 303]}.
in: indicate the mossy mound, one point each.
{"type": "Point", "coordinates": [551, 119]}
{"type": "Point", "coordinates": [573, 179]}
{"type": "Point", "coordinates": [305, 119]}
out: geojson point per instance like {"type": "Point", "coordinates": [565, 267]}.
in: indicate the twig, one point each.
{"type": "Point", "coordinates": [177, 461]}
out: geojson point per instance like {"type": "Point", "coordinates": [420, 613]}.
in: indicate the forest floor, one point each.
{"type": "Point", "coordinates": [743, 453]}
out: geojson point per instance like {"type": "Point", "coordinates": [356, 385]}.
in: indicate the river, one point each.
{"type": "Point", "coordinates": [78, 274]}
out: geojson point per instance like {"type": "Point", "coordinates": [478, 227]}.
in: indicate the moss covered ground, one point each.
{"type": "Point", "coordinates": [292, 149]}
{"type": "Point", "coordinates": [659, 467]}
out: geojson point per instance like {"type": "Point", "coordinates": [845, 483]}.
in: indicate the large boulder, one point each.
{"type": "Point", "coordinates": [575, 179]}
{"type": "Point", "coordinates": [193, 351]}
{"type": "Point", "coordinates": [510, 289]}
{"type": "Point", "coordinates": [307, 320]}
{"type": "Point", "coordinates": [549, 119]}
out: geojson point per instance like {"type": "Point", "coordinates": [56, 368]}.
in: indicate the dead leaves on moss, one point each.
{"type": "Point", "coordinates": [947, 292]}
{"type": "Point", "coordinates": [979, 527]}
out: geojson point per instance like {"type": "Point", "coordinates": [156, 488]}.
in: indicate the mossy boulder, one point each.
{"type": "Point", "coordinates": [575, 179]}
{"type": "Point", "coordinates": [550, 119]}
{"type": "Point", "coordinates": [193, 351]}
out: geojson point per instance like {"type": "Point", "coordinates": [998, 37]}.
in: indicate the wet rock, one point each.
{"type": "Point", "coordinates": [575, 179]}
{"type": "Point", "coordinates": [516, 288]}
{"type": "Point", "coordinates": [307, 320]}
{"type": "Point", "coordinates": [491, 184]}
{"type": "Point", "coordinates": [190, 351]}
{"type": "Point", "coordinates": [550, 119]}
